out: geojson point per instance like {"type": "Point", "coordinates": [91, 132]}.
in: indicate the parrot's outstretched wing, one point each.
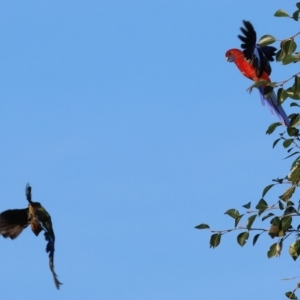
{"type": "Point", "coordinates": [258, 56]}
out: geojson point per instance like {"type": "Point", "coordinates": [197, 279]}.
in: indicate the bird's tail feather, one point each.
{"type": "Point", "coordinates": [276, 109]}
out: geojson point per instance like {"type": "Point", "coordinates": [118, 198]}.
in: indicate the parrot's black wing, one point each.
{"type": "Point", "coordinates": [259, 57]}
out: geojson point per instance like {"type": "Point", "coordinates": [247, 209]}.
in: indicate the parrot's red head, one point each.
{"type": "Point", "coordinates": [232, 54]}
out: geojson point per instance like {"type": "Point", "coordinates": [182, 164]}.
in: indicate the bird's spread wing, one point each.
{"type": "Point", "coordinates": [258, 56]}
{"type": "Point", "coordinates": [13, 221]}
{"type": "Point", "coordinates": [46, 224]}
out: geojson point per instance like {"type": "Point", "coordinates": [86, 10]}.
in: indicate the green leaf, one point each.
{"type": "Point", "coordinates": [273, 251]}
{"type": "Point", "coordinates": [267, 216]}
{"type": "Point", "coordinates": [281, 206]}
{"type": "Point", "coordinates": [292, 95]}
{"type": "Point", "coordinates": [279, 180]}
{"type": "Point", "coordinates": [276, 222]}
{"type": "Point", "coordinates": [248, 205]}
{"type": "Point", "coordinates": [242, 238]}
{"type": "Point", "coordinates": [286, 222]}
{"type": "Point", "coordinates": [280, 55]}
{"type": "Point", "coordinates": [256, 238]}
{"type": "Point", "coordinates": [296, 86]}
{"type": "Point", "coordinates": [202, 226]}
{"type": "Point", "coordinates": [295, 121]}
{"type": "Point", "coordinates": [275, 231]}
{"type": "Point", "coordinates": [295, 162]}
{"type": "Point", "coordinates": [266, 189]}
{"type": "Point", "coordinates": [266, 40]}
{"type": "Point", "coordinates": [298, 5]}
{"type": "Point", "coordinates": [281, 95]}
{"type": "Point", "coordinates": [294, 104]}
{"type": "Point", "coordinates": [290, 203]}
{"type": "Point", "coordinates": [296, 15]}
{"type": "Point", "coordinates": [290, 210]}
{"type": "Point", "coordinates": [215, 240]}
{"type": "Point", "coordinates": [279, 247]}
{"type": "Point", "coordinates": [288, 59]}
{"type": "Point", "coordinates": [291, 295]}
{"type": "Point", "coordinates": [294, 153]}
{"type": "Point", "coordinates": [275, 227]}
{"type": "Point", "coordinates": [237, 220]}
{"type": "Point", "coordinates": [294, 249]}
{"type": "Point", "coordinates": [294, 176]}
{"type": "Point", "coordinates": [289, 46]}
{"type": "Point", "coordinates": [260, 211]}
{"type": "Point", "coordinates": [287, 143]}
{"type": "Point", "coordinates": [272, 127]}
{"type": "Point", "coordinates": [292, 131]}
{"type": "Point", "coordinates": [288, 194]}
{"type": "Point", "coordinates": [250, 221]}
{"type": "Point", "coordinates": [275, 142]}
{"type": "Point", "coordinates": [281, 13]}
{"type": "Point", "coordinates": [261, 206]}
{"type": "Point", "coordinates": [232, 213]}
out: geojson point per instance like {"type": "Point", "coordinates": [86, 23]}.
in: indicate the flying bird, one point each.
{"type": "Point", "coordinates": [13, 221]}
{"type": "Point", "coordinates": [254, 63]}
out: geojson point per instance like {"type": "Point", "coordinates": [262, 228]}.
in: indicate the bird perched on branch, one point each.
{"type": "Point", "coordinates": [254, 63]}
{"type": "Point", "coordinates": [13, 221]}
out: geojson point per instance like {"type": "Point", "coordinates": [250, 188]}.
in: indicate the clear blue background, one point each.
{"type": "Point", "coordinates": [132, 129]}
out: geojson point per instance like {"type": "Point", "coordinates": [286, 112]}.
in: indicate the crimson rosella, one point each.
{"type": "Point", "coordinates": [253, 62]}
{"type": "Point", "coordinates": [13, 221]}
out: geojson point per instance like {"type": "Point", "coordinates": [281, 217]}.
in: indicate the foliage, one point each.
{"type": "Point", "coordinates": [281, 214]}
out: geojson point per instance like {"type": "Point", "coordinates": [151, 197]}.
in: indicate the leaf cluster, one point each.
{"type": "Point", "coordinates": [280, 219]}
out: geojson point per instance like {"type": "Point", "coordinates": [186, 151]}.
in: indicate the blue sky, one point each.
{"type": "Point", "coordinates": [131, 128]}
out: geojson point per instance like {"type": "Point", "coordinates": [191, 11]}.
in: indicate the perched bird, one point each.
{"type": "Point", "coordinates": [13, 221]}
{"type": "Point", "coordinates": [254, 63]}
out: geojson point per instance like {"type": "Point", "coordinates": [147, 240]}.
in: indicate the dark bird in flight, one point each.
{"type": "Point", "coordinates": [13, 221]}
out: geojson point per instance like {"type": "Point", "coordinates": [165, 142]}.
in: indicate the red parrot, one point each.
{"type": "Point", "coordinates": [253, 62]}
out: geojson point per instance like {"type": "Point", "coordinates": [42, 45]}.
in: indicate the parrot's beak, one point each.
{"type": "Point", "coordinates": [230, 58]}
